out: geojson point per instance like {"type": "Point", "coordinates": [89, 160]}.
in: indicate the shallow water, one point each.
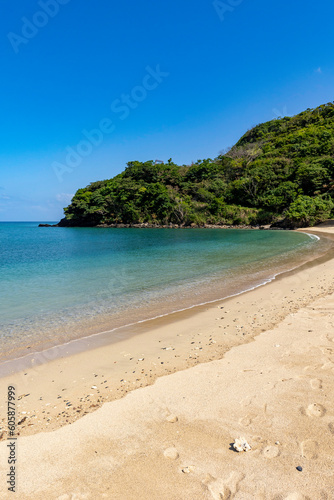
{"type": "Point", "coordinates": [63, 283]}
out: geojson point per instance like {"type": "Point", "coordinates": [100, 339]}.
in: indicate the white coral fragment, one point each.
{"type": "Point", "coordinates": [241, 444]}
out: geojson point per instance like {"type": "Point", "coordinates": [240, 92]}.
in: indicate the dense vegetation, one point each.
{"type": "Point", "coordinates": [279, 172]}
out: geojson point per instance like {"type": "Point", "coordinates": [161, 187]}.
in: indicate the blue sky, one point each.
{"type": "Point", "coordinates": [87, 86]}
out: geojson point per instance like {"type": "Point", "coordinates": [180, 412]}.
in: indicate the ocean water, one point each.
{"type": "Point", "coordinates": [59, 284]}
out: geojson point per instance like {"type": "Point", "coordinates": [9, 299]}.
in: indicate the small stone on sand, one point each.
{"type": "Point", "coordinates": [187, 470]}
{"type": "Point", "coordinates": [172, 419]}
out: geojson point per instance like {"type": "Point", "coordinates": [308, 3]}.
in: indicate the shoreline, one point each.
{"type": "Point", "coordinates": [100, 336]}
{"type": "Point", "coordinates": [63, 388]}
{"type": "Point", "coordinates": [148, 225]}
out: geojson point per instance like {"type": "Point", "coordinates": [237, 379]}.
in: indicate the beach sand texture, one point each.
{"type": "Point", "coordinates": [173, 440]}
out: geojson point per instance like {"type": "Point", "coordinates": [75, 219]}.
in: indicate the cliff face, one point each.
{"type": "Point", "coordinates": [280, 172]}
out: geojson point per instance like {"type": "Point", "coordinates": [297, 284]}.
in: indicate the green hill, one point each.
{"type": "Point", "coordinates": [280, 172]}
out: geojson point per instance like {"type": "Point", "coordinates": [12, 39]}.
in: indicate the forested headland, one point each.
{"type": "Point", "coordinates": [280, 172]}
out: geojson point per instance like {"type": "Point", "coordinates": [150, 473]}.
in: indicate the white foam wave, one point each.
{"type": "Point", "coordinates": [313, 236]}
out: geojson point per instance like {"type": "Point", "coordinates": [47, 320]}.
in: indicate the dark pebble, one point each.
{"type": "Point", "coordinates": [299, 468]}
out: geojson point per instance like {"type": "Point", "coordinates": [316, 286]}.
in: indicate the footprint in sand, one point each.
{"type": "Point", "coordinates": [315, 410]}
{"type": "Point", "coordinates": [221, 489]}
{"type": "Point", "coordinates": [328, 366]}
{"type": "Point", "coordinates": [171, 453]}
{"type": "Point", "coordinates": [296, 496]}
{"type": "Point", "coordinates": [270, 452]}
{"type": "Point", "coordinates": [331, 427]}
{"type": "Point", "coordinates": [245, 421]}
{"type": "Point", "coordinates": [316, 383]}
{"type": "Point", "coordinates": [327, 350]}
{"type": "Point", "coordinates": [309, 449]}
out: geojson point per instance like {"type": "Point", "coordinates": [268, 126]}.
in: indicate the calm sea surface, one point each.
{"type": "Point", "coordinates": [57, 284]}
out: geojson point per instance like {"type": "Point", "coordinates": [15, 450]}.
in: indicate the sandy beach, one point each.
{"type": "Point", "coordinates": [154, 416]}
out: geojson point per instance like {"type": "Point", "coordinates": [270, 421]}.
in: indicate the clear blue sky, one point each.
{"type": "Point", "coordinates": [64, 63]}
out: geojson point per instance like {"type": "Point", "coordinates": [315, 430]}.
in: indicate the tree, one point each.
{"type": "Point", "coordinates": [306, 211]}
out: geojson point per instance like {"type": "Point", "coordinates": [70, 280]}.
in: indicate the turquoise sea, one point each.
{"type": "Point", "coordinates": [59, 284]}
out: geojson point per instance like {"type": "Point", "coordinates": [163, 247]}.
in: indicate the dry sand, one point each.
{"type": "Point", "coordinates": [172, 440]}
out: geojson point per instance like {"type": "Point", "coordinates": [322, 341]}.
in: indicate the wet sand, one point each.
{"type": "Point", "coordinates": [172, 439]}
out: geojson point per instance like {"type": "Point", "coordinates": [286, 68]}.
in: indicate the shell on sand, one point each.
{"type": "Point", "coordinates": [241, 444]}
